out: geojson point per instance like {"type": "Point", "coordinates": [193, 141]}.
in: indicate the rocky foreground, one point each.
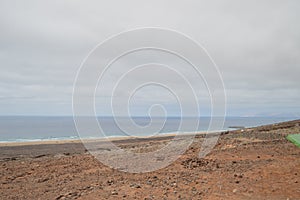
{"type": "Point", "coordinates": [256, 163]}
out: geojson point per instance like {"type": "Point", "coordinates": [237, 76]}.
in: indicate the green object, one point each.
{"type": "Point", "coordinates": [294, 138]}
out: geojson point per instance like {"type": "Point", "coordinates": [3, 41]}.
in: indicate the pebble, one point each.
{"type": "Point", "coordinates": [114, 193]}
{"type": "Point", "coordinates": [110, 182]}
{"type": "Point", "coordinates": [134, 185]}
{"type": "Point", "coordinates": [149, 182]}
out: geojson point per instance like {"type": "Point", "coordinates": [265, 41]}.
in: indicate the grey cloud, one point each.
{"type": "Point", "coordinates": [256, 45]}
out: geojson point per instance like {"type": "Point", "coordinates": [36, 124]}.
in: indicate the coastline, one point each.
{"type": "Point", "coordinates": [112, 138]}
{"type": "Point", "coordinates": [26, 129]}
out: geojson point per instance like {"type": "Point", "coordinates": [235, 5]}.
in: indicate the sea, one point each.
{"type": "Point", "coordinates": [45, 128]}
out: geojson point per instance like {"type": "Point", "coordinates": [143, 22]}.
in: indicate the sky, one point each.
{"type": "Point", "coordinates": [255, 44]}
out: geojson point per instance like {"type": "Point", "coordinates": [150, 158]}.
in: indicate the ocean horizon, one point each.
{"type": "Point", "coordinates": [48, 128]}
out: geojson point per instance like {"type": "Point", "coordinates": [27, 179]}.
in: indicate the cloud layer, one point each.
{"type": "Point", "coordinates": [256, 45]}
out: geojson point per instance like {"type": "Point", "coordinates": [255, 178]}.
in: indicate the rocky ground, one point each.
{"type": "Point", "coordinates": [257, 163]}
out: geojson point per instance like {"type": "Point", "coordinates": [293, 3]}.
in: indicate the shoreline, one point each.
{"type": "Point", "coordinates": [75, 138]}
{"type": "Point", "coordinates": [128, 139]}
{"type": "Point", "coordinates": [112, 138]}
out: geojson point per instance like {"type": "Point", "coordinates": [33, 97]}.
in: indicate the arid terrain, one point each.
{"type": "Point", "coordinates": [254, 163]}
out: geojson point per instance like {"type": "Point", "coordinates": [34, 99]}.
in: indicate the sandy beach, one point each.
{"type": "Point", "coordinates": [254, 163]}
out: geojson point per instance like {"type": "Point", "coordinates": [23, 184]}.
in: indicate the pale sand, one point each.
{"type": "Point", "coordinates": [162, 136]}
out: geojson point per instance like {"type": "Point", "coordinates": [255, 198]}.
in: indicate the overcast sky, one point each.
{"type": "Point", "coordinates": [256, 45]}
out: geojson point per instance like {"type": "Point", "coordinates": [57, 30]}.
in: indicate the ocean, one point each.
{"type": "Point", "coordinates": [41, 128]}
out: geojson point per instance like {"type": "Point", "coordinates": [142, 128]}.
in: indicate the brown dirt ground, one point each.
{"type": "Point", "coordinates": [257, 163]}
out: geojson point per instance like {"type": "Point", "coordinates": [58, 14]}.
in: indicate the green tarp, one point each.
{"type": "Point", "coordinates": [294, 138]}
